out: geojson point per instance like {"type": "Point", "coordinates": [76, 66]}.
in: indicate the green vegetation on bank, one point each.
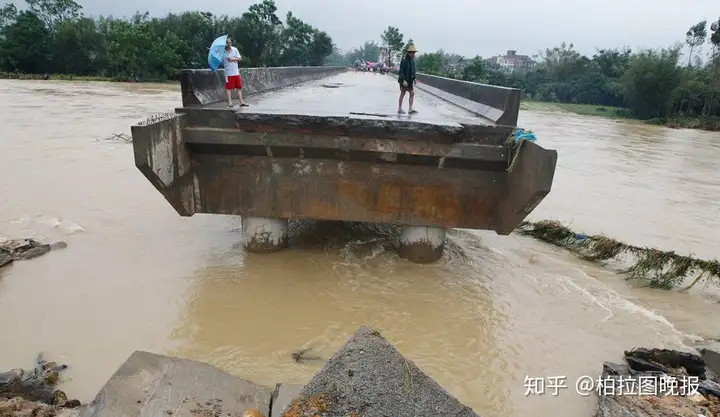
{"type": "Point", "coordinates": [652, 267]}
{"type": "Point", "coordinates": [650, 85]}
{"type": "Point", "coordinates": [581, 109]}
{"type": "Point", "coordinates": [53, 37]}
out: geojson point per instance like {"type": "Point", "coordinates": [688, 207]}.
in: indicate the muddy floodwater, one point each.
{"type": "Point", "coordinates": [136, 276]}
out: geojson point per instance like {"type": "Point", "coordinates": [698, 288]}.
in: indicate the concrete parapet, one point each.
{"type": "Point", "coordinates": [201, 87]}
{"type": "Point", "coordinates": [500, 105]}
{"type": "Point", "coordinates": [263, 234]}
{"type": "Point", "coordinates": [421, 244]}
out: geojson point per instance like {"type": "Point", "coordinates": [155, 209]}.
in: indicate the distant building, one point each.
{"type": "Point", "coordinates": [511, 61]}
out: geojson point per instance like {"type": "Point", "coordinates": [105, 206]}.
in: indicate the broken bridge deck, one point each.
{"type": "Point", "coordinates": [333, 148]}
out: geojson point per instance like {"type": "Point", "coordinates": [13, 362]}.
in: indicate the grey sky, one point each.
{"type": "Point", "coordinates": [470, 27]}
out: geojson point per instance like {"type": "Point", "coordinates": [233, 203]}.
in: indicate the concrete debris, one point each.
{"type": "Point", "coordinates": [369, 377]}
{"type": "Point", "coordinates": [155, 385]}
{"type": "Point", "coordinates": [31, 393]}
{"type": "Point", "coordinates": [282, 398]}
{"type": "Point", "coordinates": [17, 249]}
{"type": "Point", "coordinates": [119, 137]}
{"type": "Point", "coordinates": [658, 383]}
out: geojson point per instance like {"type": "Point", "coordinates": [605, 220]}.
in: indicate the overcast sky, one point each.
{"type": "Point", "coordinates": [469, 27]}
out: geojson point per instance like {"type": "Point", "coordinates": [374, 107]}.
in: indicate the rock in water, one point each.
{"type": "Point", "coordinates": [369, 377]}
{"type": "Point", "coordinates": [653, 364]}
{"type": "Point", "coordinates": [24, 248]}
{"type": "Point", "coordinates": [666, 360]}
{"type": "Point", "coordinates": [5, 257]}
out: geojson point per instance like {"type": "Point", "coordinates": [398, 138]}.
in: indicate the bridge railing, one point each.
{"type": "Point", "coordinates": [496, 104]}
{"type": "Point", "coordinates": [201, 87]}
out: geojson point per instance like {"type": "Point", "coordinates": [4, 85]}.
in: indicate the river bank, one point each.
{"type": "Point", "coordinates": [366, 377]}
{"type": "Point", "coordinates": [700, 123]}
{"type": "Point", "coordinates": [70, 77]}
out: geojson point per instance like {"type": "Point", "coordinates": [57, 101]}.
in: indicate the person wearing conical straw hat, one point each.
{"type": "Point", "coordinates": [406, 79]}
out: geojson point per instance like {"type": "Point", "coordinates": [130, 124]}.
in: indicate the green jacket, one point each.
{"type": "Point", "coordinates": [407, 70]}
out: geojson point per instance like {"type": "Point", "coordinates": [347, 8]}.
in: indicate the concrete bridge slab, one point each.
{"type": "Point", "coordinates": [150, 385]}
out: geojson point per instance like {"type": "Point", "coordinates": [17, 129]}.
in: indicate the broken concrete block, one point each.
{"type": "Point", "coordinates": [711, 355]}
{"type": "Point", "coordinates": [369, 377]}
{"type": "Point", "coordinates": [155, 385]}
{"type": "Point", "coordinates": [282, 397]}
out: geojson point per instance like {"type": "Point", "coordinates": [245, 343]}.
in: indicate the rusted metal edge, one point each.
{"type": "Point", "coordinates": [529, 181]}
{"type": "Point", "coordinates": [305, 142]}
{"type": "Point", "coordinates": [274, 145]}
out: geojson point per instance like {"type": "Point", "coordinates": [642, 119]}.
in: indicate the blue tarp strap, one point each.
{"type": "Point", "coordinates": [519, 134]}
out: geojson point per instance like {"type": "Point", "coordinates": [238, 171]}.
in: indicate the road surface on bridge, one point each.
{"type": "Point", "coordinates": [355, 92]}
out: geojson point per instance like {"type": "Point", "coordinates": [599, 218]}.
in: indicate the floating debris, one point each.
{"type": "Point", "coordinates": [119, 137]}
{"type": "Point", "coordinates": [657, 268]}
{"type": "Point", "coordinates": [303, 356]}
{"type": "Point", "coordinates": [18, 249]}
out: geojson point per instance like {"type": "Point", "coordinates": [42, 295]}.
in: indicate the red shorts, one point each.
{"type": "Point", "coordinates": [233, 82]}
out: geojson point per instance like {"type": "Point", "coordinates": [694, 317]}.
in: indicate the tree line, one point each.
{"type": "Point", "coordinates": [53, 37]}
{"type": "Point", "coordinates": [650, 84]}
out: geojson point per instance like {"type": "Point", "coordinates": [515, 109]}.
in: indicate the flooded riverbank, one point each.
{"type": "Point", "coordinates": [135, 275]}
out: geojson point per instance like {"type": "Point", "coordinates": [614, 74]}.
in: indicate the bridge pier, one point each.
{"type": "Point", "coordinates": [421, 244]}
{"type": "Point", "coordinates": [264, 234]}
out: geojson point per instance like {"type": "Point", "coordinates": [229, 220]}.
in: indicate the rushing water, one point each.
{"type": "Point", "coordinates": [137, 276]}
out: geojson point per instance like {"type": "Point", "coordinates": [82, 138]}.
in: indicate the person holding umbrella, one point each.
{"type": "Point", "coordinates": [233, 81]}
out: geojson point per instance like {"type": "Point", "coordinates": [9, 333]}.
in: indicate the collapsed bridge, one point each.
{"type": "Point", "coordinates": [324, 143]}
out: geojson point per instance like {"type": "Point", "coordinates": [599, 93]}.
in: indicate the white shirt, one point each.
{"type": "Point", "coordinates": [231, 68]}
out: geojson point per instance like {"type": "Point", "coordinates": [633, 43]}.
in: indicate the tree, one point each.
{"type": "Point", "coordinates": [320, 48]}
{"type": "Point", "coordinates": [475, 71]}
{"type": "Point", "coordinates": [8, 13]}
{"type": "Point", "coordinates": [78, 47]}
{"type": "Point", "coordinates": [695, 37]}
{"type": "Point", "coordinates": [649, 82]}
{"type": "Point", "coordinates": [25, 44]}
{"type": "Point", "coordinates": [392, 39]}
{"type": "Point", "coordinates": [432, 63]}
{"type": "Point", "coordinates": [54, 11]}
{"type": "Point", "coordinates": [259, 33]}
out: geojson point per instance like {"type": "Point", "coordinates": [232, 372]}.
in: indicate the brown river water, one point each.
{"type": "Point", "coordinates": [136, 276]}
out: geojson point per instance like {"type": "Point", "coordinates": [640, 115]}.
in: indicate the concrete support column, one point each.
{"type": "Point", "coordinates": [421, 244]}
{"type": "Point", "coordinates": [264, 234]}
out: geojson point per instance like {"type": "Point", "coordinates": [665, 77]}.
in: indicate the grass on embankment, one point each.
{"type": "Point", "coordinates": [703, 123]}
{"type": "Point", "coordinates": [70, 77]}
{"type": "Point", "coordinates": [581, 109]}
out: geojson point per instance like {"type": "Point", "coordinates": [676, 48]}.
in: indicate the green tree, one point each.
{"type": "Point", "coordinates": [649, 82]}
{"type": "Point", "coordinates": [695, 37]}
{"type": "Point", "coordinates": [78, 49]}
{"type": "Point", "coordinates": [25, 44]}
{"type": "Point", "coordinates": [475, 71]}
{"type": "Point", "coordinates": [53, 12]}
{"type": "Point", "coordinates": [392, 39]}
{"type": "Point", "coordinates": [432, 63]}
